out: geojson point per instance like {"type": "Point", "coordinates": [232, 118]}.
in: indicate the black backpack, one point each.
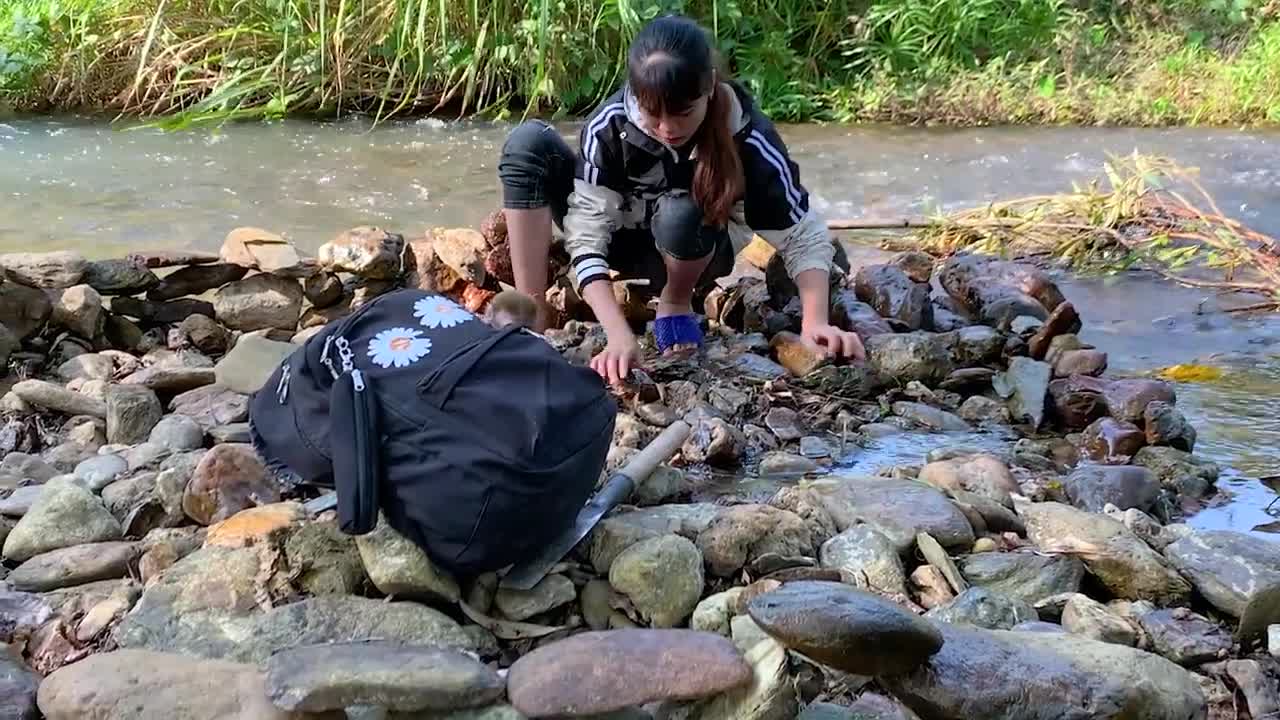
{"type": "Point", "coordinates": [478, 444]}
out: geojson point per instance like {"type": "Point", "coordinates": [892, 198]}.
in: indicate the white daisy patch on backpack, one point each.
{"type": "Point", "coordinates": [436, 311]}
{"type": "Point", "coordinates": [398, 346]}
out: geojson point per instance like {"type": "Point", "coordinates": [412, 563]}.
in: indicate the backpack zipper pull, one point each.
{"type": "Point", "coordinates": [357, 380]}
{"type": "Point", "coordinates": [326, 360]}
{"type": "Point", "coordinates": [282, 389]}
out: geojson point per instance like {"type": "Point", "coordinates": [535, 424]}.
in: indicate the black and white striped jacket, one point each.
{"type": "Point", "coordinates": [622, 170]}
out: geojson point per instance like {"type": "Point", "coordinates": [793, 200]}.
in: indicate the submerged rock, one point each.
{"type": "Point", "coordinates": [1004, 675]}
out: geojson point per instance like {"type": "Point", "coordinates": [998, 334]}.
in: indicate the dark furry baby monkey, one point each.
{"type": "Point", "coordinates": [511, 307]}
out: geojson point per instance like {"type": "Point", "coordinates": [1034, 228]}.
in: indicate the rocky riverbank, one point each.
{"type": "Point", "coordinates": [154, 568]}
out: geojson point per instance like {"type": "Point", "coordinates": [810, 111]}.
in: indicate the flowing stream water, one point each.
{"type": "Point", "coordinates": [80, 183]}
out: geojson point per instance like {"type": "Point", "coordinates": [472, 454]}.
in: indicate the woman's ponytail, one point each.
{"type": "Point", "coordinates": [718, 181]}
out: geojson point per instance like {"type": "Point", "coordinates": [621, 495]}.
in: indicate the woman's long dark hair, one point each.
{"type": "Point", "coordinates": [670, 66]}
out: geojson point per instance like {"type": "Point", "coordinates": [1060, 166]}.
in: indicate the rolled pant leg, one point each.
{"type": "Point", "coordinates": [536, 169]}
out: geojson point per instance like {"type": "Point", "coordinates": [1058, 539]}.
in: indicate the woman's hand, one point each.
{"type": "Point", "coordinates": [619, 356]}
{"type": "Point", "coordinates": [832, 340]}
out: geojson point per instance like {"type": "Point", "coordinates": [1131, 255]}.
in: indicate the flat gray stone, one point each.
{"type": "Point", "coordinates": [64, 515]}
{"type": "Point", "coordinates": [74, 566]}
{"type": "Point", "coordinates": [100, 471]}
{"type": "Point", "coordinates": [250, 363]}
{"type": "Point", "coordinates": [1237, 573]}
{"type": "Point", "coordinates": [900, 509]}
{"type": "Point", "coordinates": [550, 593]}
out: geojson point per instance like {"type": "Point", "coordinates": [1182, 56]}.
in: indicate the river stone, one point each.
{"type": "Point", "coordinates": [618, 532]}
{"type": "Point", "coordinates": [1076, 402]}
{"type": "Point", "coordinates": [1089, 618]}
{"type": "Point", "coordinates": [663, 578]}
{"type": "Point", "coordinates": [784, 423]}
{"type": "Point", "coordinates": [550, 593]}
{"type": "Point", "coordinates": [90, 366]}
{"type": "Point", "coordinates": [65, 514]}
{"type": "Point", "coordinates": [930, 417]}
{"type": "Point", "coordinates": [163, 379]}
{"type": "Point", "coordinates": [578, 676]}
{"type": "Point", "coordinates": [1002, 675]}
{"type": "Point", "coordinates": [1094, 487]}
{"type": "Point", "coordinates": [793, 354]}
{"type": "Point", "coordinates": [120, 276]}
{"type": "Point", "coordinates": [229, 478]}
{"type": "Point", "coordinates": [848, 629]}
{"type": "Point", "coordinates": [1238, 574]}
{"type": "Point", "coordinates": [784, 464]}
{"type": "Point", "coordinates": [900, 509]}
{"type": "Point", "coordinates": [59, 269]}
{"type": "Point", "coordinates": [211, 406]}
{"type": "Point", "coordinates": [20, 500]}
{"type": "Point", "coordinates": [1083, 361]}
{"type": "Point", "coordinates": [171, 311]}
{"type": "Point", "coordinates": [1028, 577]}
{"type": "Point", "coordinates": [255, 637]}
{"type": "Point", "coordinates": [1127, 399]}
{"type": "Point", "coordinates": [867, 559]}
{"type": "Point", "coordinates": [919, 356]}
{"type": "Point", "coordinates": [1166, 425]}
{"type": "Point", "coordinates": [399, 568]}
{"type": "Point", "coordinates": [205, 334]}
{"type": "Point", "coordinates": [52, 397]}
{"type": "Point", "coordinates": [990, 513]}
{"type": "Point", "coordinates": [1027, 383]}
{"type": "Point", "coordinates": [983, 474]}
{"type": "Point", "coordinates": [23, 310]}
{"type": "Point", "coordinates": [74, 566]}
{"type": "Point", "coordinates": [1261, 692]}
{"type": "Point", "coordinates": [259, 302]}
{"type": "Point", "coordinates": [132, 412]}
{"type": "Point", "coordinates": [177, 433]}
{"type": "Point", "coordinates": [893, 295]}
{"type": "Point", "coordinates": [195, 280]}
{"type": "Point", "coordinates": [144, 685]}
{"type": "Point", "coordinates": [1125, 565]}
{"type": "Point", "coordinates": [1185, 637]}
{"type": "Point", "coordinates": [255, 248]}
{"type": "Point", "coordinates": [983, 608]}
{"type": "Point", "coordinates": [1112, 441]}
{"type": "Point", "coordinates": [979, 409]}
{"type": "Point", "coordinates": [124, 495]}
{"type": "Point", "coordinates": [715, 613]}
{"type": "Point", "coordinates": [250, 363]}
{"type": "Point", "coordinates": [771, 693]}
{"type": "Point", "coordinates": [742, 533]}
{"type": "Point", "coordinates": [976, 345]}
{"type": "Point", "coordinates": [28, 467]}
{"type": "Point", "coordinates": [326, 560]}
{"type": "Point", "coordinates": [18, 686]}
{"type": "Point", "coordinates": [386, 673]}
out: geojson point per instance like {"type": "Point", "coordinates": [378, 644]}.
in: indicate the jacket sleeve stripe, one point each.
{"type": "Point", "coordinates": [774, 158]}
{"type": "Point", "coordinates": [591, 143]}
{"type": "Point", "coordinates": [589, 268]}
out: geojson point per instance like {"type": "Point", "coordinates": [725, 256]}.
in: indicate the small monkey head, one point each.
{"type": "Point", "coordinates": [511, 307]}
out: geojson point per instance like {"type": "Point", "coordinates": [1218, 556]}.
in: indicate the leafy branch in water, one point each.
{"type": "Point", "coordinates": [1143, 218]}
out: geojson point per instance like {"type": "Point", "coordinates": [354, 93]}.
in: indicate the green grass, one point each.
{"type": "Point", "coordinates": [1148, 62]}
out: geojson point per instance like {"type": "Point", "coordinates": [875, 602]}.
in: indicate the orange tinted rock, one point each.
{"type": "Point", "coordinates": [254, 525]}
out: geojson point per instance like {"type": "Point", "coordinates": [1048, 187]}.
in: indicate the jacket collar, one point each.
{"type": "Point", "coordinates": [645, 139]}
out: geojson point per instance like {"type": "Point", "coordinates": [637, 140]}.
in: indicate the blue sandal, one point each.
{"type": "Point", "coordinates": [675, 330]}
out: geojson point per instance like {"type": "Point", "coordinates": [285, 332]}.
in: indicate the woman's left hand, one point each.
{"type": "Point", "coordinates": [833, 341]}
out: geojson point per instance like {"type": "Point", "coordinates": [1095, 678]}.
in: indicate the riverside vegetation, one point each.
{"type": "Point", "coordinates": [153, 568]}
{"type": "Point", "coordinates": [947, 61]}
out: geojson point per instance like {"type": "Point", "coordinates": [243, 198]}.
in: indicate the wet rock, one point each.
{"type": "Point", "coordinates": [368, 252]}
{"type": "Point", "coordinates": [852, 315]}
{"type": "Point", "coordinates": [256, 525]}
{"type": "Point", "coordinates": [326, 560]}
{"type": "Point", "coordinates": [399, 568]}
{"type": "Point", "coordinates": [229, 478]}
{"type": "Point", "coordinates": [579, 675]}
{"type": "Point", "coordinates": [742, 533]}
{"type": "Point", "coordinates": [550, 593]}
{"type": "Point", "coordinates": [917, 266]}
{"type": "Point", "coordinates": [918, 356]}
{"type": "Point", "coordinates": [1076, 402]}
{"type": "Point", "coordinates": [386, 673]}
{"type": "Point", "coordinates": [463, 251]}
{"type": "Point", "coordinates": [866, 559]}
{"type": "Point", "coordinates": [1089, 618]}
{"type": "Point", "coordinates": [793, 354]}
{"type": "Point", "coordinates": [1088, 362]}
{"type": "Point", "coordinates": [976, 345]}
{"type": "Point", "coordinates": [662, 577]}
{"type": "Point", "coordinates": [205, 334]}
{"type": "Point", "coordinates": [20, 500]}
{"type": "Point", "coordinates": [984, 410]}
{"type": "Point", "coordinates": [713, 441]}
{"type": "Point", "coordinates": [1238, 574]}
{"type": "Point", "coordinates": [1027, 386]}
{"type": "Point", "coordinates": [259, 302]}
{"type": "Point", "coordinates": [784, 423]}
{"type": "Point", "coordinates": [59, 269]}
{"type": "Point", "coordinates": [998, 291]}
{"type": "Point", "coordinates": [211, 406]}
{"type": "Point", "coordinates": [664, 484]}
{"type": "Point", "coordinates": [1062, 321]}
{"type": "Point", "coordinates": [893, 295]}
{"type": "Point", "coordinates": [983, 608]}
{"type": "Point", "coordinates": [1113, 441]}
{"type": "Point", "coordinates": [930, 417]}
{"type": "Point", "coordinates": [981, 474]}
{"type": "Point", "coordinates": [74, 566]}
{"type": "Point", "coordinates": [100, 471]}
{"type": "Point", "coordinates": [1092, 488]}
{"type": "Point", "coordinates": [79, 309]}
{"type": "Point", "coordinates": [195, 280]}
{"type": "Point", "coordinates": [760, 368]}
{"type": "Point", "coordinates": [132, 413]}
{"type": "Point", "coordinates": [1128, 399]}
{"type": "Point", "coordinates": [52, 397]}
{"type": "Point", "coordinates": [1125, 565]}
{"type": "Point", "coordinates": [218, 633]}
{"type": "Point", "coordinates": [618, 532]}
{"type": "Point", "coordinates": [119, 277]}
{"type": "Point", "coordinates": [1260, 691]}
{"type": "Point", "coordinates": [1185, 637]}
{"type": "Point", "coordinates": [1167, 426]}
{"type": "Point", "coordinates": [781, 464]}
{"type": "Point", "coordinates": [65, 514]}
{"type": "Point", "coordinates": [250, 363]}
{"type": "Point", "coordinates": [1178, 470]}
{"type": "Point", "coordinates": [1040, 676]}
{"type": "Point", "coordinates": [900, 509]}
{"type": "Point", "coordinates": [18, 687]}
{"type": "Point", "coordinates": [847, 629]}
{"type": "Point", "coordinates": [167, 312]}
{"type": "Point", "coordinates": [1024, 576]}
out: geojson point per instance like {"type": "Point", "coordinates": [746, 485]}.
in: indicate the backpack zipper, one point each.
{"type": "Point", "coordinates": [282, 389]}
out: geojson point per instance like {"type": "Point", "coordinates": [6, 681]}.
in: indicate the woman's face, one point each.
{"type": "Point", "coordinates": [676, 127]}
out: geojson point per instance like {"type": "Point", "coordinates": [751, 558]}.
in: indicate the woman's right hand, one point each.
{"type": "Point", "coordinates": [619, 356]}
